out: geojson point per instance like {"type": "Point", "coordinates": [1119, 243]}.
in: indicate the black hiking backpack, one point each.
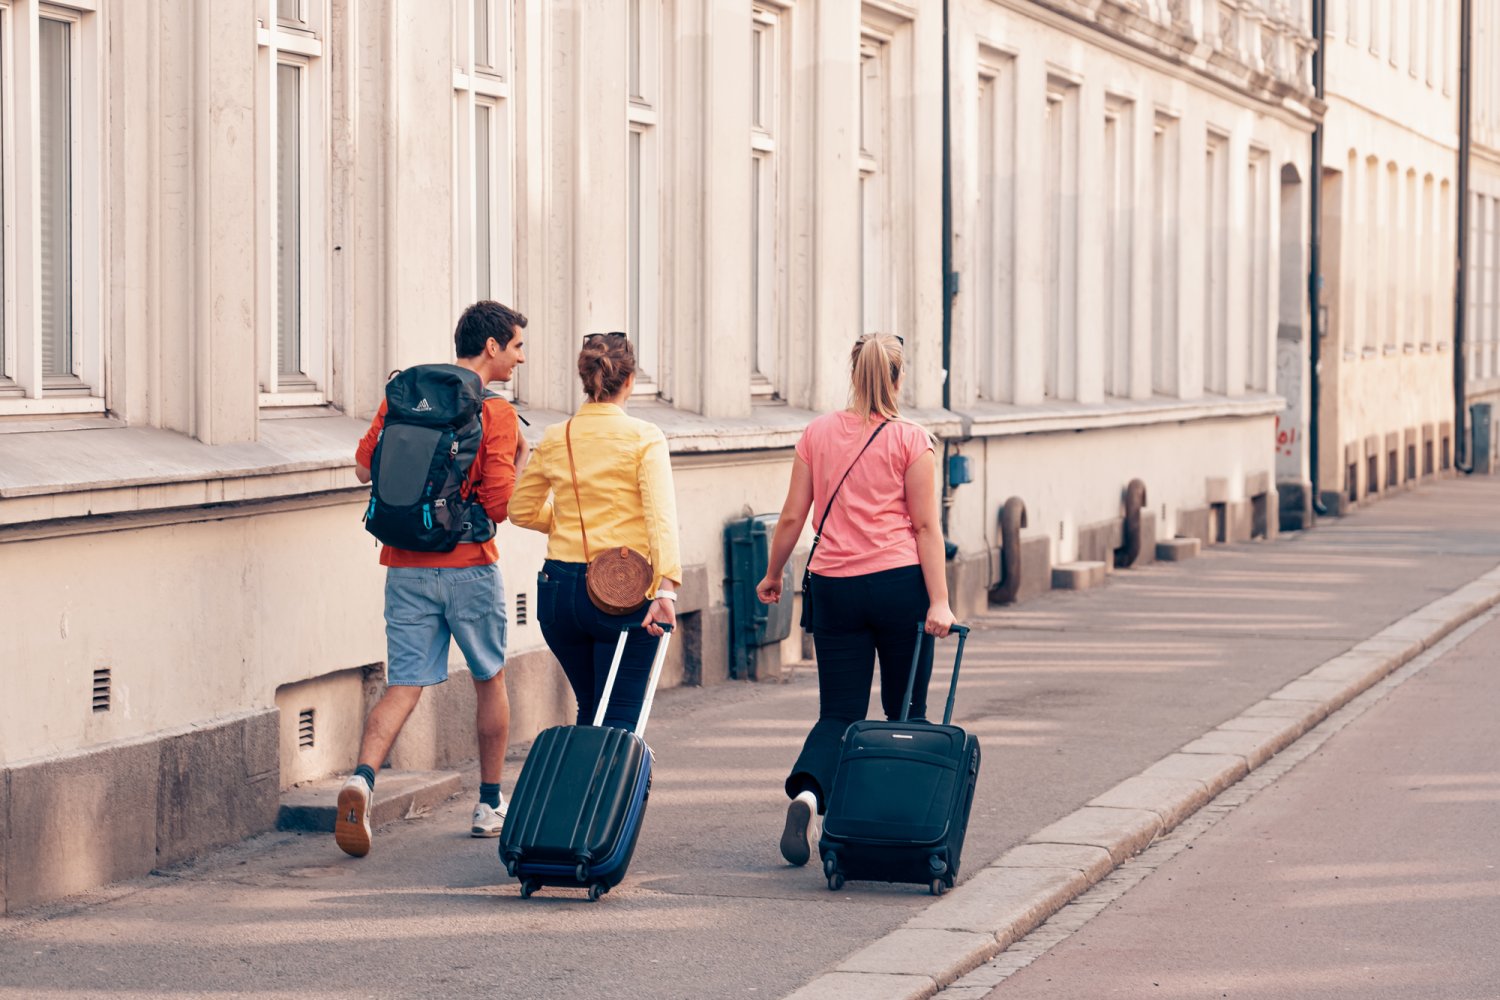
{"type": "Point", "coordinates": [419, 491]}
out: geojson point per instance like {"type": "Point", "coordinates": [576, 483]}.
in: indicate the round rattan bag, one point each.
{"type": "Point", "coordinates": [617, 581]}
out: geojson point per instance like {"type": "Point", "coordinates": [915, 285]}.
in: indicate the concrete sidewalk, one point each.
{"type": "Point", "coordinates": [1071, 694]}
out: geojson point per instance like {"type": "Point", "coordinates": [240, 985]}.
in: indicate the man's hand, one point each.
{"type": "Point", "coordinates": [523, 453]}
{"type": "Point", "coordinates": [362, 473]}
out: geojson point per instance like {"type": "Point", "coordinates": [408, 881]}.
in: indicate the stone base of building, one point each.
{"type": "Point", "coordinates": [118, 811]}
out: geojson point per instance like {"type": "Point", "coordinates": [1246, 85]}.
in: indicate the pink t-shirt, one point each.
{"type": "Point", "coordinates": [869, 528]}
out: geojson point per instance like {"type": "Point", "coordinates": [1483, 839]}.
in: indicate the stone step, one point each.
{"type": "Point", "coordinates": [398, 794]}
{"type": "Point", "coordinates": [1078, 575]}
{"type": "Point", "coordinates": [1177, 549]}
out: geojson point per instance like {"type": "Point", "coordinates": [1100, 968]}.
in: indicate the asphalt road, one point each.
{"type": "Point", "coordinates": [1070, 694]}
{"type": "Point", "coordinates": [1371, 871]}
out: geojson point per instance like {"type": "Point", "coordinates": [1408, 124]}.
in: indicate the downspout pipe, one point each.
{"type": "Point", "coordinates": [1315, 264]}
{"type": "Point", "coordinates": [950, 279]}
{"type": "Point", "coordinates": [1463, 458]}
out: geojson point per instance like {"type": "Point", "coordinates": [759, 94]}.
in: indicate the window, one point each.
{"type": "Point", "coordinates": [994, 229]}
{"type": "Point", "coordinates": [1060, 240]}
{"type": "Point", "coordinates": [643, 235]}
{"type": "Point", "coordinates": [1164, 253]}
{"type": "Point", "coordinates": [294, 169]}
{"type": "Point", "coordinates": [1431, 265]}
{"type": "Point", "coordinates": [1119, 237]}
{"type": "Point", "coordinates": [1215, 262]}
{"type": "Point", "coordinates": [1258, 276]}
{"type": "Point", "coordinates": [482, 223]}
{"type": "Point", "coordinates": [51, 349]}
{"type": "Point", "coordinates": [877, 290]}
{"type": "Point", "coordinates": [766, 251]}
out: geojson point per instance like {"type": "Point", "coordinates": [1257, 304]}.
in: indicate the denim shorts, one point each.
{"type": "Point", "coordinates": [424, 608]}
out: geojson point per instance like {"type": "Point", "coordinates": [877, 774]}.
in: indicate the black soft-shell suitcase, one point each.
{"type": "Point", "coordinates": [901, 796]}
{"type": "Point", "coordinates": [576, 812]}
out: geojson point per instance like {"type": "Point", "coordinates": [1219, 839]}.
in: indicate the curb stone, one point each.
{"type": "Point", "coordinates": [1016, 893]}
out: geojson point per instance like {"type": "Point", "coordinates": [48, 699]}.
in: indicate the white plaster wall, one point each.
{"type": "Point", "coordinates": [1069, 481]}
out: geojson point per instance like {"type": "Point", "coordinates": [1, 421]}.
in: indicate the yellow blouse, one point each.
{"type": "Point", "coordinates": [624, 482]}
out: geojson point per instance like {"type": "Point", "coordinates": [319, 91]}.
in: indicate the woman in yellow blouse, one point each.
{"type": "Point", "coordinates": [624, 498]}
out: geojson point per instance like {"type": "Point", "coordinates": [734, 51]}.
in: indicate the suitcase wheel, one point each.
{"type": "Point", "coordinates": [836, 881]}
{"type": "Point", "coordinates": [582, 871]}
{"type": "Point", "coordinates": [830, 864]}
{"type": "Point", "coordinates": [528, 886]}
{"type": "Point", "coordinates": [936, 865]}
{"type": "Point", "coordinates": [596, 890]}
{"type": "Point", "coordinates": [937, 887]}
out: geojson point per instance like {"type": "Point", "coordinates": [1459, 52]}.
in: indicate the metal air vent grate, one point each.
{"type": "Point", "coordinates": [101, 689]}
{"type": "Point", "coordinates": [522, 610]}
{"type": "Point", "coordinates": [305, 725]}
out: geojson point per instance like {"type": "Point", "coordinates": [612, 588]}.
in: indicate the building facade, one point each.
{"type": "Point", "coordinates": [1390, 160]}
{"type": "Point", "coordinates": [223, 232]}
{"type": "Point", "coordinates": [1482, 253]}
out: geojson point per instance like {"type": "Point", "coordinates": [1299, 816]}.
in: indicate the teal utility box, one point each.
{"type": "Point", "coordinates": [747, 551]}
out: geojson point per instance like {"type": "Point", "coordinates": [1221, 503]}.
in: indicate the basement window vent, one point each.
{"type": "Point", "coordinates": [305, 724]}
{"type": "Point", "coordinates": [522, 616]}
{"type": "Point", "coordinates": [101, 689]}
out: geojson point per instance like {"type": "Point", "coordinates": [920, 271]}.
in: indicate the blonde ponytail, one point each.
{"type": "Point", "coordinates": [875, 367]}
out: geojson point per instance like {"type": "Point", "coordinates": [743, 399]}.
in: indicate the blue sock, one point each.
{"type": "Point", "coordinates": [368, 773]}
{"type": "Point", "coordinates": [490, 794]}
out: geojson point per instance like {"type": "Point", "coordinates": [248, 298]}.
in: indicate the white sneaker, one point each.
{"type": "Point", "coordinates": [487, 822]}
{"type": "Point", "coordinates": [351, 828]}
{"type": "Point", "coordinates": [803, 828]}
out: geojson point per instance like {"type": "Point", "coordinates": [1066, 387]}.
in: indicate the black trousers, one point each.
{"type": "Point", "coordinates": [583, 639]}
{"type": "Point", "coordinates": [855, 620]}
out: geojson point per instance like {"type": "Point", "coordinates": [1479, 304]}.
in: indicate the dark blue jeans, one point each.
{"type": "Point", "coordinates": [583, 639]}
{"type": "Point", "coordinates": [855, 620]}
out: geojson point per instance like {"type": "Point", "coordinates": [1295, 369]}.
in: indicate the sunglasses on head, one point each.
{"type": "Point", "coordinates": [614, 334]}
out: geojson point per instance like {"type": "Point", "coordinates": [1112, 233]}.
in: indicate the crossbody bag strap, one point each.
{"type": "Point", "coordinates": [573, 470]}
{"type": "Point", "coordinates": [828, 508]}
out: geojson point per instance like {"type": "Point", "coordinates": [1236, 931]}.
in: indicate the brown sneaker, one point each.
{"type": "Point", "coordinates": [351, 829]}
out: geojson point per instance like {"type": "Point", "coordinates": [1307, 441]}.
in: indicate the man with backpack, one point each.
{"type": "Point", "coordinates": [442, 455]}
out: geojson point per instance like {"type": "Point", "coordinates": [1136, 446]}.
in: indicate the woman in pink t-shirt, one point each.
{"type": "Point", "coordinates": [877, 567]}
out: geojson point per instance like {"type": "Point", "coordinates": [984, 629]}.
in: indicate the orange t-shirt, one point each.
{"type": "Point", "coordinates": [493, 477]}
{"type": "Point", "coordinates": [869, 528]}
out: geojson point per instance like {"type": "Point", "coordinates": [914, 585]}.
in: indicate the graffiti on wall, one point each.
{"type": "Point", "coordinates": [1291, 423]}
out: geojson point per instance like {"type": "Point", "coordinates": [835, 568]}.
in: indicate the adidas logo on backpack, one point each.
{"type": "Point", "coordinates": [423, 407]}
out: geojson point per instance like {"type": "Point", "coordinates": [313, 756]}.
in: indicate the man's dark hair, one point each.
{"type": "Point", "coordinates": [481, 321]}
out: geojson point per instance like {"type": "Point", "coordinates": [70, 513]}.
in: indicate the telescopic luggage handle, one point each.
{"type": "Point", "coordinates": [916, 658]}
{"type": "Point", "coordinates": [614, 669]}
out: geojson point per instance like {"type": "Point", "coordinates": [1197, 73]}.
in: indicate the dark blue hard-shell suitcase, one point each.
{"type": "Point", "coordinates": [576, 812]}
{"type": "Point", "coordinates": [901, 796]}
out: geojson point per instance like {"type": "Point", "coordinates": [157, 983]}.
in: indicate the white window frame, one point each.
{"type": "Point", "coordinates": [642, 186]}
{"type": "Point", "coordinates": [302, 46]}
{"type": "Point", "coordinates": [24, 388]}
{"type": "Point", "coordinates": [877, 310]}
{"type": "Point", "coordinates": [1166, 256]}
{"type": "Point", "coordinates": [768, 254]}
{"type": "Point", "coordinates": [1258, 350]}
{"type": "Point", "coordinates": [1216, 277]}
{"type": "Point", "coordinates": [1060, 381]}
{"type": "Point", "coordinates": [1119, 250]}
{"type": "Point", "coordinates": [993, 313]}
{"type": "Point", "coordinates": [486, 85]}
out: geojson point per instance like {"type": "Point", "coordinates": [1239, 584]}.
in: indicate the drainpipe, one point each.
{"type": "Point", "coordinates": [1315, 263]}
{"type": "Point", "coordinates": [1462, 450]}
{"type": "Point", "coordinates": [950, 280]}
